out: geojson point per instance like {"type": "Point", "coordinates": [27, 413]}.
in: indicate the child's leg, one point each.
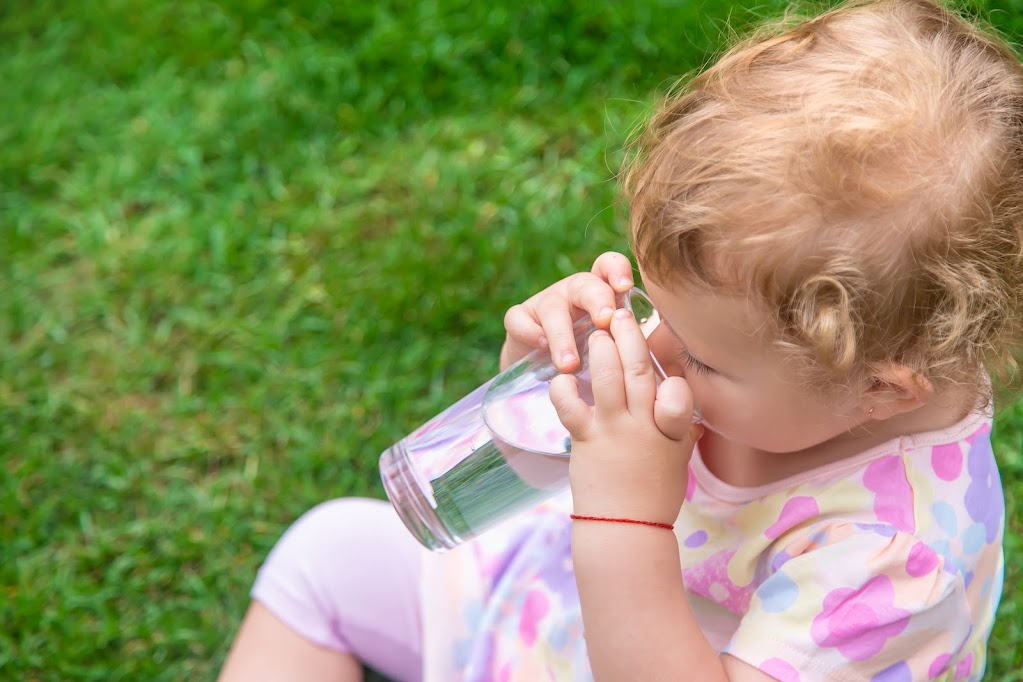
{"type": "Point", "coordinates": [268, 650]}
{"type": "Point", "coordinates": [342, 585]}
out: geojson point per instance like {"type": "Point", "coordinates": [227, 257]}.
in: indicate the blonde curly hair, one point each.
{"type": "Point", "coordinates": [861, 173]}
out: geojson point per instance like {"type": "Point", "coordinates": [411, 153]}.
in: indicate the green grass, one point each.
{"type": "Point", "coordinates": [246, 245]}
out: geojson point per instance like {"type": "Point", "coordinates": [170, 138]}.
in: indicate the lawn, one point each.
{"type": "Point", "coordinates": [246, 245]}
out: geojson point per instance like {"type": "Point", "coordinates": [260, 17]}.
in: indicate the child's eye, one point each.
{"type": "Point", "coordinates": [692, 364]}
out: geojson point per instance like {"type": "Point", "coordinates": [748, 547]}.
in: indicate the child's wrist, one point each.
{"type": "Point", "coordinates": [594, 541]}
{"type": "Point", "coordinates": [649, 506]}
{"type": "Point", "coordinates": [636, 513]}
{"type": "Point", "coordinates": [623, 519]}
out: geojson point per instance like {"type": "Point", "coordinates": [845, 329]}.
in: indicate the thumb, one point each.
{"type": "Point", "coordinates": [673, 408]}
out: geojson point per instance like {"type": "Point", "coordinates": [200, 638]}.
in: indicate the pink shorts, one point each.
{"type": "Point", "coordinates": [346, 577]}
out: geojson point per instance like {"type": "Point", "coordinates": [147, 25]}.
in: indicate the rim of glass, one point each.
{"type": "Point", "coordinates": [645, 316]}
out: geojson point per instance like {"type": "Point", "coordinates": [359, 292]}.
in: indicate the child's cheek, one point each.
{"type": "Point", "coordinates": [672, 368]}
{"type": "Point", "coordinates": [665, 348]}
{"type": "Point", "coordinates": [707, 408]}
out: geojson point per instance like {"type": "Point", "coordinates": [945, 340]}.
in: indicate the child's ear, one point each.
{"type": "Point", "coordinates": [896, 389]}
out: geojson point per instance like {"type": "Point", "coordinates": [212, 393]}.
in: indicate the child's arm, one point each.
{"type": "Point", "coordinates": [637, 620]}
{"type": "Point", "coordinates": [630, 455]}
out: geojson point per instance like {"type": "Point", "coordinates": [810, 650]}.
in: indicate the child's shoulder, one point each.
{"type": "Point", "coordinates": [943, 454]}
{"type": "Point", "coordinates": [907, 535]}
{"type": "Point", "coordinates": [938, 488]}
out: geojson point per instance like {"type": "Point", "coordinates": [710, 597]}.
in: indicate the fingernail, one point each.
{"type": "Point", "coordinates": [605, 312]}
{"type": "Point", "coordinates": [543, 342]}
{"type": "Point", "coordinates": [625, 283]}
{"type": "Point", "coordinates": [567, 357]}
{"type": "Point", "coordinates": [622, 314]}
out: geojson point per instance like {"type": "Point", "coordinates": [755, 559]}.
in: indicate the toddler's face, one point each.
{"type": "Point", "coordinates": [740, 381]}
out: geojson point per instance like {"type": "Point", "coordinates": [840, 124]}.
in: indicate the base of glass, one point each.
{"type": "Point", "coordinates": [413, 506]}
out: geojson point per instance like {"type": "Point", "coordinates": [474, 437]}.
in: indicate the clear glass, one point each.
{"type": "Point", "coordinates": [495, 452]}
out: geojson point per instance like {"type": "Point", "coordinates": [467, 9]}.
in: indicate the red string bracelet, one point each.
{"type": "Point", "coordinates": [611, 519]}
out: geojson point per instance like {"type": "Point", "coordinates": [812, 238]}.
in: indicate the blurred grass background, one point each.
{"type": "Point", "coordinates": [246, 245]}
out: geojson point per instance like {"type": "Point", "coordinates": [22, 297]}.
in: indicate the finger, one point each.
{"type": "Point", "coordinates": [615, 269]}
{"type": "Point", "coordinates": [559, 331]}
{"type": "Point", "coordinates": [544, 320]}
{"type": "Point", "coordinates": [562, 314]}
{"type": "Point", "coordinates": [606, 375]}
{"type": "Point", "coordinates": [637, 368]}
{"type": "Point", "coordinates": [523, 334]}
{"type": "Point", "coordinates": [590, 293]}
{"type": "Point", "coordinates": [572, 410]}
{"type": "Point", "coordinates": [523, 326]}
{"type": "Point", "coordinates": [673, 409]}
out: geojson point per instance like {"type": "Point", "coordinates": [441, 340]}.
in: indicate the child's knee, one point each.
{"type": "Point", "coordinates": [342, 517]}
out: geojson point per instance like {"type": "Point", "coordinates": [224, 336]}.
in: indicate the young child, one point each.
{"type": "Point", "coordinates": [829, 223]}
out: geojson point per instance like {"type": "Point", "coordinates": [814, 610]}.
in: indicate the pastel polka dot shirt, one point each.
{"type": "Point", "coordinates": [885, 567]}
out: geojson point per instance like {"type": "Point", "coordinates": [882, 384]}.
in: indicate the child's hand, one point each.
{"type": "Point", "coordinates": [545, 319]}
{"type": "Point", "coordinates": [631, 450]}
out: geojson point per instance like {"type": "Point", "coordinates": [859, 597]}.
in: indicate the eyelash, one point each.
{"type": "Point", "coordinates": [693, 364]}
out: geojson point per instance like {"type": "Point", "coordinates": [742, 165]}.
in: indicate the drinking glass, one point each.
{"type": "Point", "coordinates": [497, 451]}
